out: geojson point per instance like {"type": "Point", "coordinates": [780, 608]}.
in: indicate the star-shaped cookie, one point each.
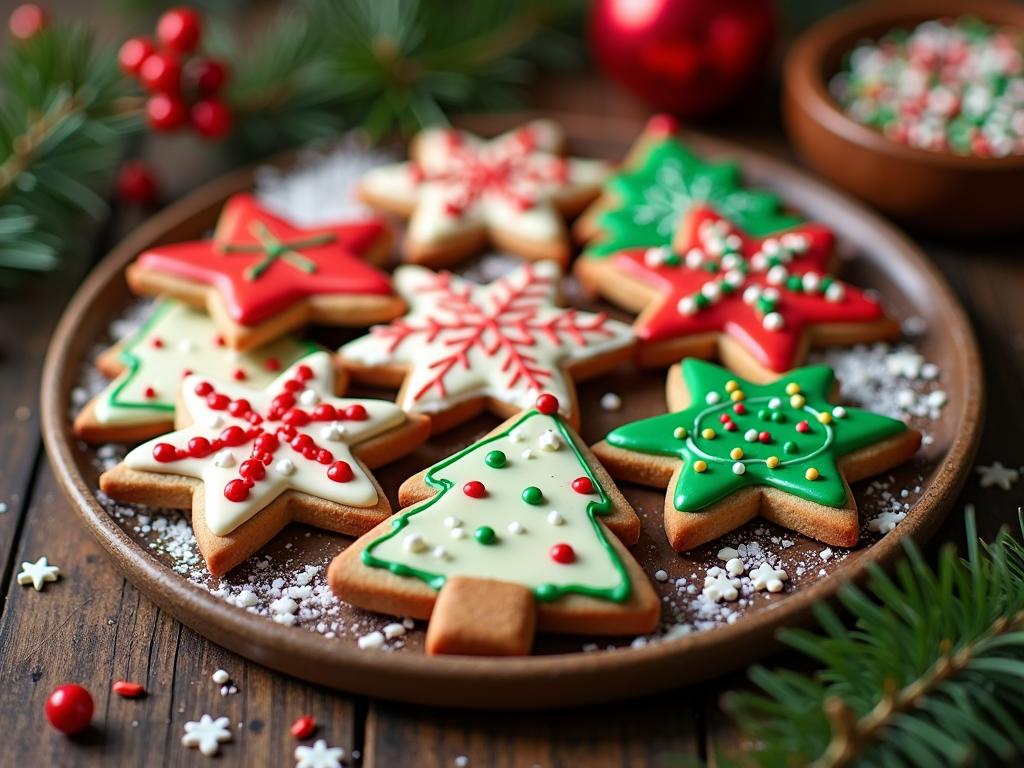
{"type": "Point", "coordinates": [757, 303]}
{"type": "Point", "coordinates": [464, 347]}
{"type": "Point", "coordinates": [460, 192]}
{"type": "Point", "coordinates": [260, 277]}
{"type": "Point", "coordinates": [731, 449]}
{"type": "Point", "coordinates": [249, 461]}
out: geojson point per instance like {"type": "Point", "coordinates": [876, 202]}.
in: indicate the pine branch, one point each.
{"type": "Point", "coordinates": [931, 676]}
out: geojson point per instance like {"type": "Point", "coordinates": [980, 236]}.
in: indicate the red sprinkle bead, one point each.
{"type": "Point", "coordinates": [293, 385]}
{"type": "Point", "coordinates": [284, 401]}
{"type": "Point", "coordinates": [203, 388]}
{"type": "Point", "coordinates": [563, 553]}
{"type": "Point", "coordinates": [356, 413]}
{"type": "Point", "coordinates": [236, 490]}
{"type": "Point", "coordinates": [324, 456]}
{"type": "Point", "coordinates": [725, 418]}
{"type": "Point", "coordinates": [295, 417]}
{"type": "Point", "coordinates": [340, 472]}
{"type": "Point", "coordinates": [69, 708]}
{"type": "Point", "coordinates": [199, 447]}
{"type": "Point", "coordinates": [157, 343]}
{"type": "Point", "coordinates": [149, 392]}
{"type": "Point", "coordinates": [583, 485]}
{"type": "Point", "coordinates": [232, 436]}
{"type": "Point", "coordinates": [474, 489]}
{"type": "Point", "coordinates": [272, 364]}
{"type": "Point", "coordinates": [128, 690]}
{"type": "Point", "coordinates": [266, 442]}
{"type": "Point", "coordinates": [764, 437]}
{"type": "Point", "coordinates": [304, 373]}
{"type": "Point", "coordinates": [252, 469]}
{"type": "Point", "coordinates": [730, 426]}
{"type": "Point", "coordinates": [310, 452]}
{"type": "Point", "coordinates": [325, 412]}
{"type": "Point", "coordinates": [547, 404]}
{"type": "Point", "coordinates": [239, 407]}
{"type": "Point", "coordinates": [164, 453]}
{"type": "Point", "coordinates": [739, 409]}
{"type": "Point", "coordinates": [238, 374]}
{"type": "Point", "coordinates": [803, 426]}
{"type": "Point", "coordinates": [304, 727]}
{"type": "Point", "coordinates": [302, 442]}
{"type": "Point", "coordinates": [217, 401]}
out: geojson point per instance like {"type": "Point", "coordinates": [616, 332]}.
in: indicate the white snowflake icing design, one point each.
{"type": "Point", "coordinates": [885, 521]}
{"type": "Point", "coordinates": [38, 573]}
{"type": "Point", "coordinates": [319, 756]}
{"type": "Point", "coordinates": [719, 585]}
{"type": "Point", "coordinates": [997, 475]}
{"type": "Point", "coordinates": [207, 734]}
{"type": "Point", "coordinates": [506, 340]}
{"type": "Point", "coordinates": [766, 576]}
{"type": "Point", "coordinates": [670, 197]}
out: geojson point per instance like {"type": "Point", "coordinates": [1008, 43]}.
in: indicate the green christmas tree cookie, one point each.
{"type": "Point", "coordinates": [732, 449]}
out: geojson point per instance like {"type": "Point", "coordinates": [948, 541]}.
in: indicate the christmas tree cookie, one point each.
{"type": "Point", "coordinates": [148, 369]}
{"type": "Point", "coordinates": [260, 277]}
{"type": "Point", "coordinates": [461, 192]}
{"type": "Point", "coordinates": [731, 450]}
{"type": "Point", "coordinates": [660, 180]}
{"type": "Point", "coordinates": [248, 461]}
{"type": "Point", "coordinates": [757, 303]}
{"type": "Point", "coordinates": [521, 532]}
{"type": "Point", "coordinates": [464, 347]}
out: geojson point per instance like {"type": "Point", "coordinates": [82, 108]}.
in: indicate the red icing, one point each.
{"type": "Point", "coordinates": [272, 364]}
{"type": "Point", "coordinates": [149, 392]}
{"type": "Point", "coordinates": [236, 490]}
{"type": "Point", "coordinates": [238, 374]}
{"type": "Point", "coordinates": [217, 402]}
{"type": "Point", "coordinates": [339, 268]}
{"type": "Point", "coordinates": [356, 413]}
{"type": "Point", "coordinates": [203, 388]}
{"type": "Point", "coordinates": [252, 469]}
{"type": "Point", "coordinates": [474, 489]}
{"type": "Point", "coordinates": [199, 447]}
{"type": "Point", "coordinates": [340, 472]}
{"type": "Point", "coordinates": [563, 553]}
{"type": "Point", "coordinates": [775, 349]}
{"type": "Point", "coordinates": [165, 452]}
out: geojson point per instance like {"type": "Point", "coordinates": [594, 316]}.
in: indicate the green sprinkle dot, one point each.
{"type": "Point", "coordinates": [763, 415]}
{"type": "Point", "coordinates": [495, 459]}
{"type": "Point", "coordinates": [790, 447]}
{"type": "Point", "coordinates": [673, 260]}
{"type": "Point", "coordinates": [485, 534]}
{"type": "Point", "coordinates": [532, 495]}
{"type": "Point", "coordinates": [778, 417]}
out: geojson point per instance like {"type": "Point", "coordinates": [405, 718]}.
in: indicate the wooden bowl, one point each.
{"type": "Point", "coordinates": [559, 674]}
{"type": "Point", "coordinates": [935, 191]}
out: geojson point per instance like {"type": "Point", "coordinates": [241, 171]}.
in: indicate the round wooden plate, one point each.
{"type": "Point", "coordinates": [558, 673]}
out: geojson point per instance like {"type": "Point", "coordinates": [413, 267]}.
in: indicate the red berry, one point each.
{"type": "Point", "coordinates": [239, 407]}
{"type": "Point", "coordinates": [166, 112]}
{"type": "Point", "coordinates": [303, 727]}
{"type": "Point", "coordinates": [27, 21]}
{"type": "Point", "coordinates": [180, 29]}
{"type": "Point", "coordinates": [135, 183]}
{"type": "Point", "coordinates": [583, 485]}
{"type": "Point", "coordinates": [296, 417]}
{"type": "Point", "coordinates": [212, 118]}
{"type": "Point", "coordinates": [161, 72]}
{"type": "Point", "coordinates": [198, 447]}
{"type": "Point", "coordinates": [203, 388]}
{"type": "Point", "coordinates": [547, 404]}
{"type": "Point", "coordinates": [563, 553]}
{"type": "Point", "coordinates": [216, 401]}
{"type": "Point", "coordinates": [474, 489]}
{"type": "Point", "coordinates": [133, 53]}
{"type": "Point", "coordinates": [340, 472]}
{"type": "Point", "coordinates": [356, 413]}
{"type": "Point", "coordinates": [165, 452]}
{"type": "Point", "coordinates": [236, 490]}
{"type": "Point", "coordinates": [764, 437]}
{"type": "Point", "coordinates": [304, 373]}
{"type": "Point", "coordinates": [252, 469]}
{"type": "Point", "coordinates": [233, 436]}
{"type": "Point", "coordinates": [273, 364]}
{"type": "Point", "coordinates": [324, 412]}
{"type": "Point", "coordinates": [803, 426]}
{"type": "Point", "coordinates": [69, 708]}
{"type": "Point", "coordinates": [739, 409]}
{"type": "Point", "coordinates": [662, 125]}
{"type": "Point", "coordinates": [207, 76]}
{"type": "Point", "coordinates": [128, 690]}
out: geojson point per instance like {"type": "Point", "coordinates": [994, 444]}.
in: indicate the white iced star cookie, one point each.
{"type": "Point", "coordinates": [319, 756]}
{"type": "Point", "coordinates": [997, 475]}
{"type": "Point", "coordinates": [460, 191]}
{"type": "Point", "coordinates": [207, 734]}
{"type": "Point", "coordinates": [250, 461]}
{"type": "Point", "coordinates": [766, 576]}
{"type": "Point", "coordinates": [720, 585]}
{"type": "Point", "coordinates": [38, 573]}
{"type": "Point", "coordinates": [463, 346]}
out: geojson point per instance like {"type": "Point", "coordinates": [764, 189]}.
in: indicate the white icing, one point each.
{"type": "Point", "coordinates": [224, 459]}
{"type": "Point", "coordinates": [334, 432]}
{"type": "Point", "coordinates": [452, 521]}
{"type": "Point", "coordinates": [285, 467]}
{"type": "Point", "coordinates": [549, 441]}
{"type": "Point", "coordinates": [223, 515]}
{"type": "Point", "coordinates": [527, 454]}
{"type": "Point", "coordinates": [555, 517]}
{"type": "Point", "coordinates": [309, 398]}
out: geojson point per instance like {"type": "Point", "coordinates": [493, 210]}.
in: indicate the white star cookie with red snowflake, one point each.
{"type": "Point", "coordinates": [460, 192]}
{"type": "Point", "coordinates": [464, 347]}
{"type": "Point", "coordinates": [248, 461]}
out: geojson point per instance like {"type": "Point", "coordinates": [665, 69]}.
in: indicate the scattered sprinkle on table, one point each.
{"type": "Point", "coordinates": [660, 575]}
{"type": "Point", "coordinates": [461, 761]}
{"type": "Point", "coordinates": [372, 641]}
{"type": "Point", "coordinates": [220, 677]}
{"type": "Point", "coordinates": [611, 402]}
{"type": "Point", "coordinates": [304, 727]}
{"type": "Point", "coordinates": [207, 734]}
{"type": "Point", "coordinates": [38, 573]}
{"type": "Point", "coordinates": [319, 756]}
{"type": "Point", "coordinates": [128, 689]}
{"type": "Point", "coordinates": [997, 475]}
{"type": "Point", "coordinates": [3, 507]}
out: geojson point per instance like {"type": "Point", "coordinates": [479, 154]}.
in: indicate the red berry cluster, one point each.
{"type": "Point", "coordinates": [27, 21]}
{"type": "Point", "coordinates": [184, 86]}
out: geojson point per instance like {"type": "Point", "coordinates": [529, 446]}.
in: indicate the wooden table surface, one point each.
{"type": "Point", "coordinates": [93, 627]}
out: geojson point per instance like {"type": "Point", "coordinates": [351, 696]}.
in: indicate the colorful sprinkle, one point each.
{"type": "Point", "coordinates": [495, 459]}
{"type": "Point", "coordinates": [736, 454]}
{"type": "Point", "coordinates": [797, 401]}
{"type": "Point", "coordinates": [739, 468]}
{"type": "Point", "coordinates": [811, 473]}
{"type": "Point", "coordinates": [547, 404]}
{"type": "Point", "coordinates": [839, 412]}
{"type": "Point", "coordinates": [583, 485]}
{"type": "Point", "coordinates": [772, 462]}
{"type": "Point", "coordinates": [474, 489]}
{"type": "Point", "coordinates": [792, 388]}
{"type": "Point", "coordinates": [563, 553]}
{"type": "Point", "coordinates": [679, 433]}
{"type": "Point", "coordinates": [485, 534]}
{"type": "Point", "coordinates": [790, 447]}
{"type": "Point", "coordinates": [803, 427]}
{"type": "Point", "coordinates": [532, 495]}
{"type": "Point", "coordinates": [708, 434]}
{"type": "Point", "coordinates": [825, 417]}
{"type": "Point", "coordinates": [700, 465]}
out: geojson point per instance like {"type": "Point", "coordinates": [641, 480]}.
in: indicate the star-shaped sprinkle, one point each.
{"type": "Point", "coordinates": [997, 475]}
{"type": "Point", "coordinates": [885, 521]}
{"type": "Point", "coordinates": [207, 734]}
{"type": "Point", "coordinates": [720, 585]}
{"type": "Point", "coordinates": [38, 573]}
{"type": "Point", "coordinates": [505, 341]}
{"type": "Point", "coordinates": [766, 576]}
{"type": "Point", "coordinates": [319, 756]}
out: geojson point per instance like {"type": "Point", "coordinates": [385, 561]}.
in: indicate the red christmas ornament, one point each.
{"type": "Point", "coordinates": [133, 53]}
{"type": "Point", "coordinates": [135, 183]}
{"type": "Point", "coordinates": [563, 553]}
{"type": "Point", "coordinates": [166, 112]}
{"type": "Point", "coordinates": [686, 56]}
{"type": "Point", "coordinates": [27, 21]}
{"type": "Point", "coordinates": [69, 708]}
{"type": "Point", "coordinates": [212, 118]}
{"type": "Point", "coordinates": [547, 404]}
{"type": "Point", "coordinates": [180, 29]}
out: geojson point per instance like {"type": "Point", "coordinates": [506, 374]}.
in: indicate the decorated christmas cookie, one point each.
{"type": "Point", "coordinates": [260, 277]}
{"type": "Point", "coordinates": [249, 461]}
{"type": "Point", "coordinates": [660, 181]}
{"type": "Point", "coordinates": [757, 303]}
{"type": "Point", "coordinates": [460, 192]}
{"type": "Point", "coordinates": [521, 531]}
{"type": "Point", "coordinates": [464, 347]}
{"type": "Point", "coordinates": [732, 450]}
{"type": "Point", "coordinates": [148, 369]}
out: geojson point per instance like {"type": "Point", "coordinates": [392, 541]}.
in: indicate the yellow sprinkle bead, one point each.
{"type": "Point", "coordinates": [679, 433]}
{"type": "Point", "coordinates": [708, 434]}
{"type": "Point", "coordinates": [811, 474]}
{"type": "Point", "coordinates": [797, 401]}
{"type": "Point", "coordinates": [737, 395]}
{"type": "Point", "coordinates": [772, 462]}
{"type": "Point", "coordinates": [792, 388]}
{"type": "Point", "coordinates": [699, 466]}
{"type": "Point", "coordinates": [732, 385]}
{"type": "Point", "coordinates": [825, 417]}
{"type": "Point", "coordinates": [736, 454]}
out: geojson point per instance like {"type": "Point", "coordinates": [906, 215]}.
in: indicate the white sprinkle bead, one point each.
{"type": "Point", "coordinates": [452, 521]}
{"type": "Point", "coordinates": [734, 566]}
{"type": "Point", "coordinates": [661, 575]}
{"type": "Point", "coordinates": [516, 527]}
{"type": "Point", "coordinates": [527, 454]}
{"type": "Point", "coordinates": [687, 306]}
{"type": "Point", "coordinates": [811, 281]}
{"type": "Point", "coordinates": [735, 278]}
{"type": "Point", "coordinates": [750, 435]}
{"type": "Point", "coordinates": [739, 468]}
{"type": "Point", "coordinates": [220, 676]}
{"type": "Point", "coordinates": [414, 543]}
{"type": "Point", "coordinates": [655, 257]}
{"type": "Point", "coordinates": [371, 642]}
{"type": "Point", "coordinates": [555, 517]}
{"type": "Point", "coordinates": [458, 533]}
{"type": "Point", "coordinates": [186, 345]}
{"type": "Point", "coordinates": [516, 434]}
{"type": "Point", "coordinates": [391, 631]}
{"type": "Point", "coordinates": [247, 599]}
{"type": "Point", "coordinates": [439, 552]}
{"type": "Point", "coordinates": [694, 258]}
{"type": "Point", "coordinates": [215, 421]}
{"type": "Point", "coordinates": [775, 402]}
{"type": "Point", "coordinates": [309, 397]}
{"type": "Point", "coordinates": [224, 459]}
{"type": "Point", "coordinates": [728, 553]}
{"type": "Point", "coordinates": [285, 467]}
{"type": "Point", "coordinates": [610, 401]}
{"type": "Point", "coordinates": [839, 412]}
{"type": "Point", "coordinates": [777, 275]}
{"type": "Point", "coordinates": [835, 293]}
{"type": "Point", "coordinates": [752, 294]}
{"type": "Point", "coordinates": [712, 398]}
{"type": "Point", "coordinates": [549, 441]}
{"type": "Point", "coordinates": [712, 291]}
{"type": "Point", "coordinates": [333, 431]}
{"type": "Point", "coordinates": [773, 321]}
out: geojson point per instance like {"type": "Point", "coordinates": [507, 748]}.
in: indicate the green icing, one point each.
{"type": "Point", "coordinates": [545, 592]}
{"type": "Point", "coordinates": [820, 446]}
{"type": "Point", "coordinates": [652, 196]}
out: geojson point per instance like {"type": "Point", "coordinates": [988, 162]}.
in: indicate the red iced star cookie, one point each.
{"type": "Point", "coordinates": [757, 303]}
{"type": "Point", "coordinates": [260, 277]}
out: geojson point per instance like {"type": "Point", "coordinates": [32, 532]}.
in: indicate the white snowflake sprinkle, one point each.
{"type": "Point", "coordinates": [207, 734]}
{"type": "Point", "coordinates": [767, 577]}
{"type": "Point", "coordinates": [319, 756]}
